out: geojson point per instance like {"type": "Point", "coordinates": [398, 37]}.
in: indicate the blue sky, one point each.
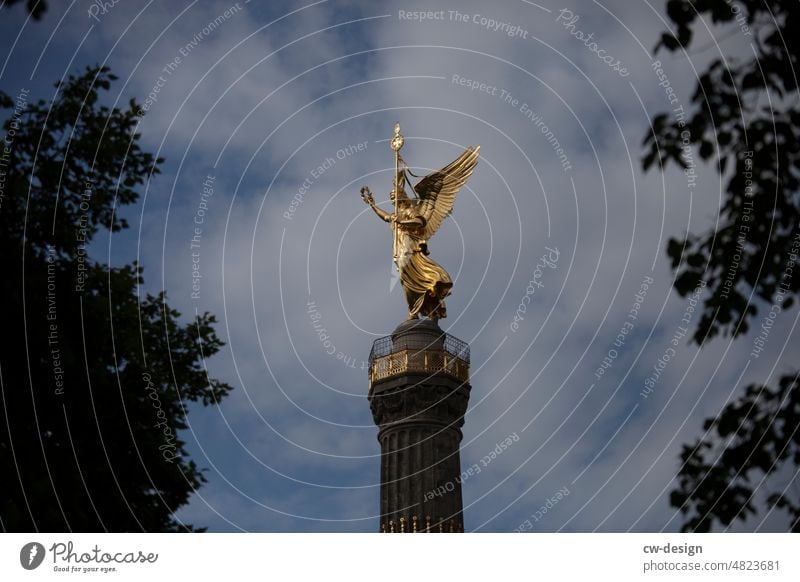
{"type": "Point", "coordinates": [261, 99]}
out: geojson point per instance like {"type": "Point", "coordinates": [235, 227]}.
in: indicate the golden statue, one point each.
{"type": "Point", "coordinates": [413, 222]}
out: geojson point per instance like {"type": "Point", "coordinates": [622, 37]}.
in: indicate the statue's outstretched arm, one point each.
{"type": "Point", "coordinates": [366, 196]}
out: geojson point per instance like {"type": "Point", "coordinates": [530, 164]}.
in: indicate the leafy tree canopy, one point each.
{"type": "Point", "coordinates": [36, 8]}
{"type": "Point", "coordinates": [745, 119]}
{"type": "Point", "coordinates": [95, 379]}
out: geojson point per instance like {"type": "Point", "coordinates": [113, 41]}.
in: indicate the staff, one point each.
{"type": "Point", "coordinates": [396, 144]}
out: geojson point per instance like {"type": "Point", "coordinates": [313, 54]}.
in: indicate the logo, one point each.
{"type": "Point", "coordinates": [31, 555]}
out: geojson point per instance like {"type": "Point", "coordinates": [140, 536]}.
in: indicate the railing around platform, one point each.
{"type": "Point", "coordinates": [449, 356]}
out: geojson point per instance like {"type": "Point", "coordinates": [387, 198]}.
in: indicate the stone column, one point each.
{"type": "Point", "coordinates": [419, 390]}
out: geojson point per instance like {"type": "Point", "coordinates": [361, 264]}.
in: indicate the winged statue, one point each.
{"type": "Point", "coordinates": [415, 220]}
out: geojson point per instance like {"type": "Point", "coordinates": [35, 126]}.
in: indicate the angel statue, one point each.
{"type": "Point", "coordinates": [414, 221]}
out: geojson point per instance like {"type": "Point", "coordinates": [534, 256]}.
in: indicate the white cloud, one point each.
{"type": "Point", "coordinates": [611, 232]}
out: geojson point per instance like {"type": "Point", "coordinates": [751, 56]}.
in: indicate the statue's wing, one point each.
{"type": "Point", "coordinates": [437, 191]}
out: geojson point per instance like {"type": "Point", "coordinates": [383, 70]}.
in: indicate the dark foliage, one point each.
{"type": "Point", "coordinates": [36, 8]}
{"type": "Point", "coordinates": [744, 118]}
{"type": "Point", "coordinates": [739, 107]}
{"type": "Point", "coordinates": [760, 431]}
{"type": "Point", "coordinates": [95, 379]}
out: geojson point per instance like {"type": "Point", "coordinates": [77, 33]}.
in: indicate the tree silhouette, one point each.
{"type": "Point", "coordinates": [36, 8]}
{"type": "Point", "coordinates": [744, 118]}
{"type": "Point", "coordinates": [95, 379]}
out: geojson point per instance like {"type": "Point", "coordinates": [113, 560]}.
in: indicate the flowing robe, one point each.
{"type": "Point", "coordinates": [424, 281]}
